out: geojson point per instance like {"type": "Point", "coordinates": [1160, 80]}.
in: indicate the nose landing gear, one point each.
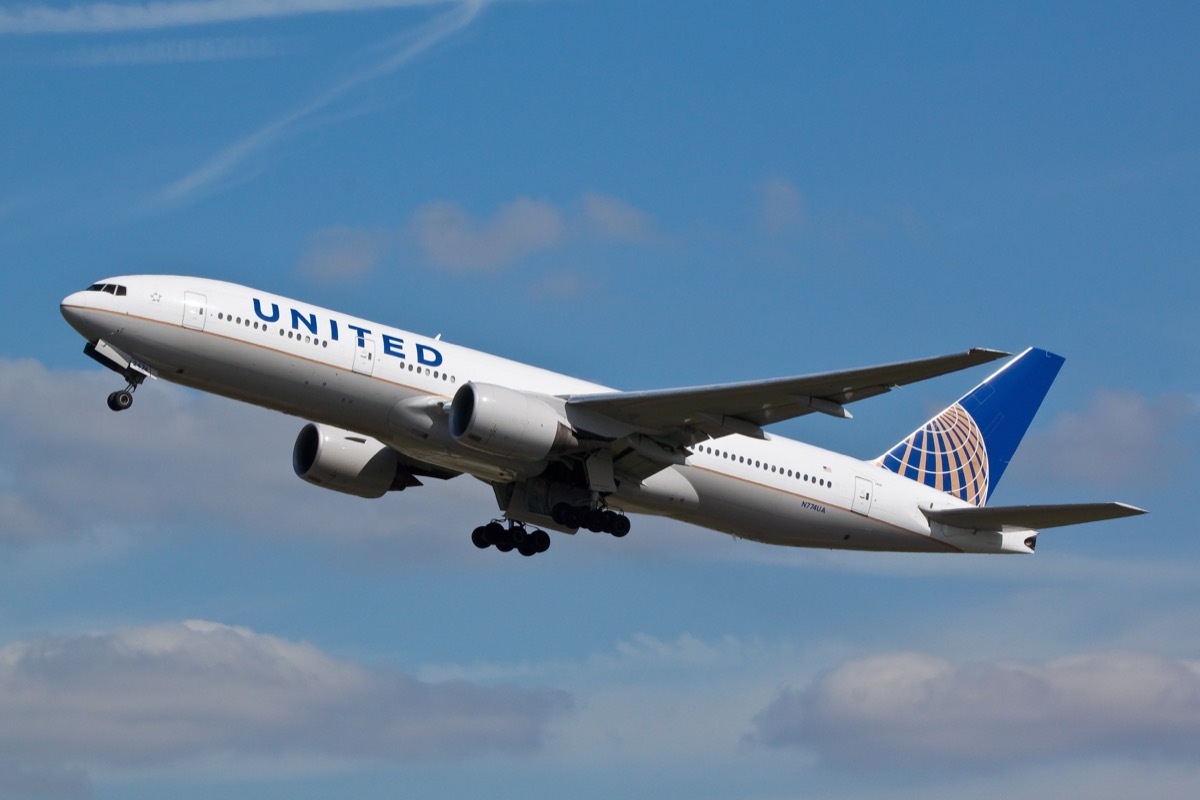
{"type": "Point", "coordinates": [123, 398]}
{"type": "Point", "coordinates": [119, 401]}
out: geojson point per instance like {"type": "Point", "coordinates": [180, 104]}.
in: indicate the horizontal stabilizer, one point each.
{"type": "Point", "coordinates": [1003, 518]}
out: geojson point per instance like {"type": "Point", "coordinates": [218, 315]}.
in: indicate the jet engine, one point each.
{"type": "Point", "coordinates": [505, 422]}
{"type": "Point", "coordinates": [348, 462]}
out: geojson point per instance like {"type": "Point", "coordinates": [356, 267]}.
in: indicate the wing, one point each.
{"type": "Point", "coordinates": [1002, 518]}
{"type": "Point", "coordinates": [686, 416]}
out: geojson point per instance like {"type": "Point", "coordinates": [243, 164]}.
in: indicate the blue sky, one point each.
{"type": "Point", "coordinates": [644, 195]}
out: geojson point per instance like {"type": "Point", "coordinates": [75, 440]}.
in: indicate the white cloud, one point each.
{"type": "Point", "coordinates": [651, 703]}
{"type": "Point", "coordinates": [781, 206]}
{"type": "Point", "coordinates": [71, 469]}
{"type": "Point", "coordinates": [43, 782]}
{"type": "Point", "coordinates": [1118, 437]}
{"type": "Point", "coordinates": [903, 709]}
{"type": "Point", "coordinates": [450, 238]}
{"type": "Point", "coordinates": [610, 219]}
{"type": "Point", "coordinates": [186, 690]}
{"type": "Point", "coordinates": [343, 253]}
{"type": "Point", "coordinates": [109, 17]}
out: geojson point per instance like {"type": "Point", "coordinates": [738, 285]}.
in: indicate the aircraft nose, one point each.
{"type": "Point", "coordinates": [74, 310]}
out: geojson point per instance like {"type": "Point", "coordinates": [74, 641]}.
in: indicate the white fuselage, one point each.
{"type": "Point", "coordinates": [394, 385]}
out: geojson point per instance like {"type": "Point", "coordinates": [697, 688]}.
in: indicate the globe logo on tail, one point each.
{"type": "Point", "coordinates": [947, 453]}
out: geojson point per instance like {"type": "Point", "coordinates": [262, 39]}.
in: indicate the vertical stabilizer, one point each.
{"type": "Point", "coordinates": [964, 450]}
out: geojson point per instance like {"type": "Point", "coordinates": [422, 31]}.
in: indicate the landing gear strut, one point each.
{"type": "Point", "coordinates": [515, 536]}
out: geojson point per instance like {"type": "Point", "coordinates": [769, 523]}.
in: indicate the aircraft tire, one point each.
{"type": "Point", "coordinates": [119, 401]}
{"type": "Point", "coordinates": [594, 520]}
{"type": "Point", "coordinates": [479, 538]}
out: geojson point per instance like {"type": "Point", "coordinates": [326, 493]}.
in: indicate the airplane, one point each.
{"type": "Point", "coordinates": [386, 407]}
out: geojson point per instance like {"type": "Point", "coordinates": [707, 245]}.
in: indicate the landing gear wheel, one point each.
{"type": "Point", "coordinates": [566, 515]}
{"type": "Point", "coordinates": [119, 401]}
{"type": "Point", "coordinates": [479, 538]}
{"type": "Point", "coordinates": [595, 520]}
{"type": "Point", "coordinates": [620, 525]}
{"type": "Point", "coordinates": [527, 549]}
{"type": "Point", "coordinates": [540, 540]}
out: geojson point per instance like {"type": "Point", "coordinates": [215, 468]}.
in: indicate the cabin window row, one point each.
{"type": "Point", "coordinates": [263, 327]}
{"type": "Point", "coordinates": [307, 339]}
{"type": "Point", "coordinates": [767, 467]}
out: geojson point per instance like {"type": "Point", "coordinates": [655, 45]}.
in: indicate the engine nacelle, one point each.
{"type": "Point", "coordinates": [505, 422]}
{"type": "Point", "coordinates": [347, 462]}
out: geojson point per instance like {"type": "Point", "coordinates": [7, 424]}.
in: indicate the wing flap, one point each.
{"type": "Point", "coordinates": [1003, 518]}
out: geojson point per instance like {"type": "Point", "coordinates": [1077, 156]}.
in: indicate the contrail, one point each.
{"type": "Point", "coordinates": [225, 161]}
{"type": "Point", "coordinates": [114, 18]}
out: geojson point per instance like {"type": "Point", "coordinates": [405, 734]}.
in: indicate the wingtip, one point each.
{"type": "Point", "coordinates": [986, 354]}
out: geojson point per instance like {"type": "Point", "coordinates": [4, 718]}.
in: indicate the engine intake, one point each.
{"type": "Point", "coordinates": [505, 422]}
{"type": "Point", "coordinates": [348, 462]}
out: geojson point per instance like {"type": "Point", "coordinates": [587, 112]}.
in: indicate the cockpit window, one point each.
{"type": "Point", "coordinates": [109, 288]}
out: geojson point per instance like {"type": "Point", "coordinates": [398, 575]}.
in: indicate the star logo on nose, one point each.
{"type": "Point", "coordinates": [156, 297]}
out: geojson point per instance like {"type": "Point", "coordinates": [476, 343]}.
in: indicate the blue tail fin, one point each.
{"type": "Point", "coordinates": [964, 450]}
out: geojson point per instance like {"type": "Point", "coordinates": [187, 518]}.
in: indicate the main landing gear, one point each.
{"type": "Point", "coordinates": [123, 399]}
{"type": "Point", "coordinates": [509, 535]}
{"type": "Point", "coordinates": [515, 536]}
{"type": "Point", "coordinates": [597, 520]}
